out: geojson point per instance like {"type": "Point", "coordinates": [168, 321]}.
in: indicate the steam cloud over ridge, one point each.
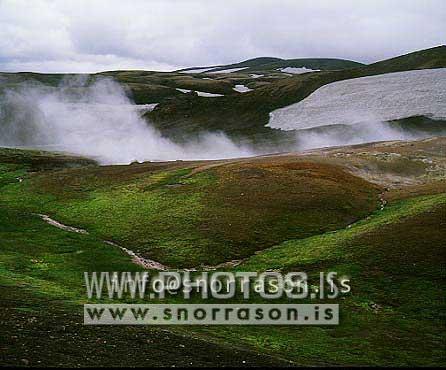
{"type": "Point", "coordinates": [96, 120]}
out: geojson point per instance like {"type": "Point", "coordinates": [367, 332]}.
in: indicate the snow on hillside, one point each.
{"type": "Point", "coordinates": [144, 108]}
{"type": "Point", "coordinates": [297, 71]}
{"type": "Point", "coordinates": [230, 70]}
{"type": "Point", "coordinates": [208, 95]}
{"type": "Point", "coordinates": [241, 88]}
{"type": "Point", "coordinates": [205, 70]}
{"type": "Point", "coordinates": [197, 70]}
{"type": "Point", "coordinates": [368, 99]}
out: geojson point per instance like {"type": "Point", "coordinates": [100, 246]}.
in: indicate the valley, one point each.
{"type": "Point", "coordinates": [322, 209]}
{"type": "Point", "coordinates": [191, 170]}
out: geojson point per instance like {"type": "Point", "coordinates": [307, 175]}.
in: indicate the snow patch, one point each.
{"type": "Point", "coordinates": [208, 95]}
{"type": "Point", "coordinates": [255, 75]}
{"type": "Point", "coordinates": [197, 70]}
{"type": "Point", "coordinates": [144, 108]}
{"type": "Point", "coordinates": [242, 88]}
{"type": "Point", "coordinates": [368, 99]}
{"type": "Point", "coordinates": [297, 71]}
{"type": "Point", "coordinates": [230, 70]}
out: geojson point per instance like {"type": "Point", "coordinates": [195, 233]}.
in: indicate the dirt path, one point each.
{"type": "Point", "coordinates": [144, 262]}
{"type": "Point", "coordinates": [141, 261]}
{"type": "Point", "coordinates": [57, 224]}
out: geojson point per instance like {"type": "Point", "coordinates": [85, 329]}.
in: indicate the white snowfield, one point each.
{"type": "Point", "coordinates": [230, 70]}
{"type": "Point", "coordinates": [197, 70]}
{"type": "Point", "coordinates": [368, 99]}
{"type": "Point", "coordinates": [144, 108]}
{"type": "Point", "coordinates": [205, 70]}
{"type": "Point", "coordinates": [184, 91]}
{"type": "Point", "coordinates": [241, 88]}
{"type": "Point", "coordinates": [297, 71]}
{"type": "Point", "coordinates": [208, 95]}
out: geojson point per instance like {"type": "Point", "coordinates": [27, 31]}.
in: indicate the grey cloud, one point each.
{"type": "Point", "coordinates": [102, 35]}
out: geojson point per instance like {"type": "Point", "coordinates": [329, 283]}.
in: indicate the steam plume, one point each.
{"type": "Point", "coordinates": [97, 120]}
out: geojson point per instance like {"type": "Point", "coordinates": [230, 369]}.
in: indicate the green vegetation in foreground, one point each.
{"type": "Point", "coordinates": [183, 220]}
{"type": "Point", "coordinates": [340, 245]}
{"type": "Point", "coordinates": [395, 259]}
{"type": "Point", "coordinates": [395, 313]}
{"type": "Point", "coordinates": [42, 292]}
{"type": "Point", "coordinates": [36, 255]}
{"type": "Point", "coordinates": [42, 289]}
{"type": "Point", "coordinates": [49, 261]}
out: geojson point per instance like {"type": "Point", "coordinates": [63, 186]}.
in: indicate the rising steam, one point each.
{"type": "Point", "coordinates": [341, 135]}
{"type": "Point", "coordinates": [96, 120]}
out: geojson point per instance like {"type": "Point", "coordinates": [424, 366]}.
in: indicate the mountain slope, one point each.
{"type": "Point", "coordinates": [263, 64]}
{"type": "Point", "coordinates": [429, 58]}
{"type": "Point", "coordinates": [393, 253]}
{"type": "Point", "coordinates": [245, 116]}
{"type": "Point", "coordinates": [180, 115]}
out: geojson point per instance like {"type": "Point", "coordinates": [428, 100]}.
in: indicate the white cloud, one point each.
{"type": "Point", "coordinates": [108, 34]}
{"type": "Point", "coordinates": [83, 63]}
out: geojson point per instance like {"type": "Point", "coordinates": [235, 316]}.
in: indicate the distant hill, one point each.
{"type": "Point", "coordinates": [428, 58]}
{"type": "Point", "coordinates": [318, 63]}
{"type": "Point", "coordinates": [262, 64]}
{"type": "Point", "coordinates": [244, 117]}
{"type": "Point", "coordinates": [182, 112]}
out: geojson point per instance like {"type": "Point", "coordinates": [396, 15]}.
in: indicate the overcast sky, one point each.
{"type": "Point", "coordinates": [97, 35]}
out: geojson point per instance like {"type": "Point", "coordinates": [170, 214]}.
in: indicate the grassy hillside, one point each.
{"type": "Point", "coordinates": [429, 58]}
{"type": "Point", "coordinates": [375, 213]}
{"type": "Point", "coordinates": [37, 160]}
{"type": "Point", "coordinates": [172, 213]}
{"type": "Point", "coordinates": [394, 314]}
{"type": "Point", "coordinates": [323, 210]}
{"type": "Point", "coordinates": [41, 290]}
{"type": "Point", "coordinates": [146, 87]}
